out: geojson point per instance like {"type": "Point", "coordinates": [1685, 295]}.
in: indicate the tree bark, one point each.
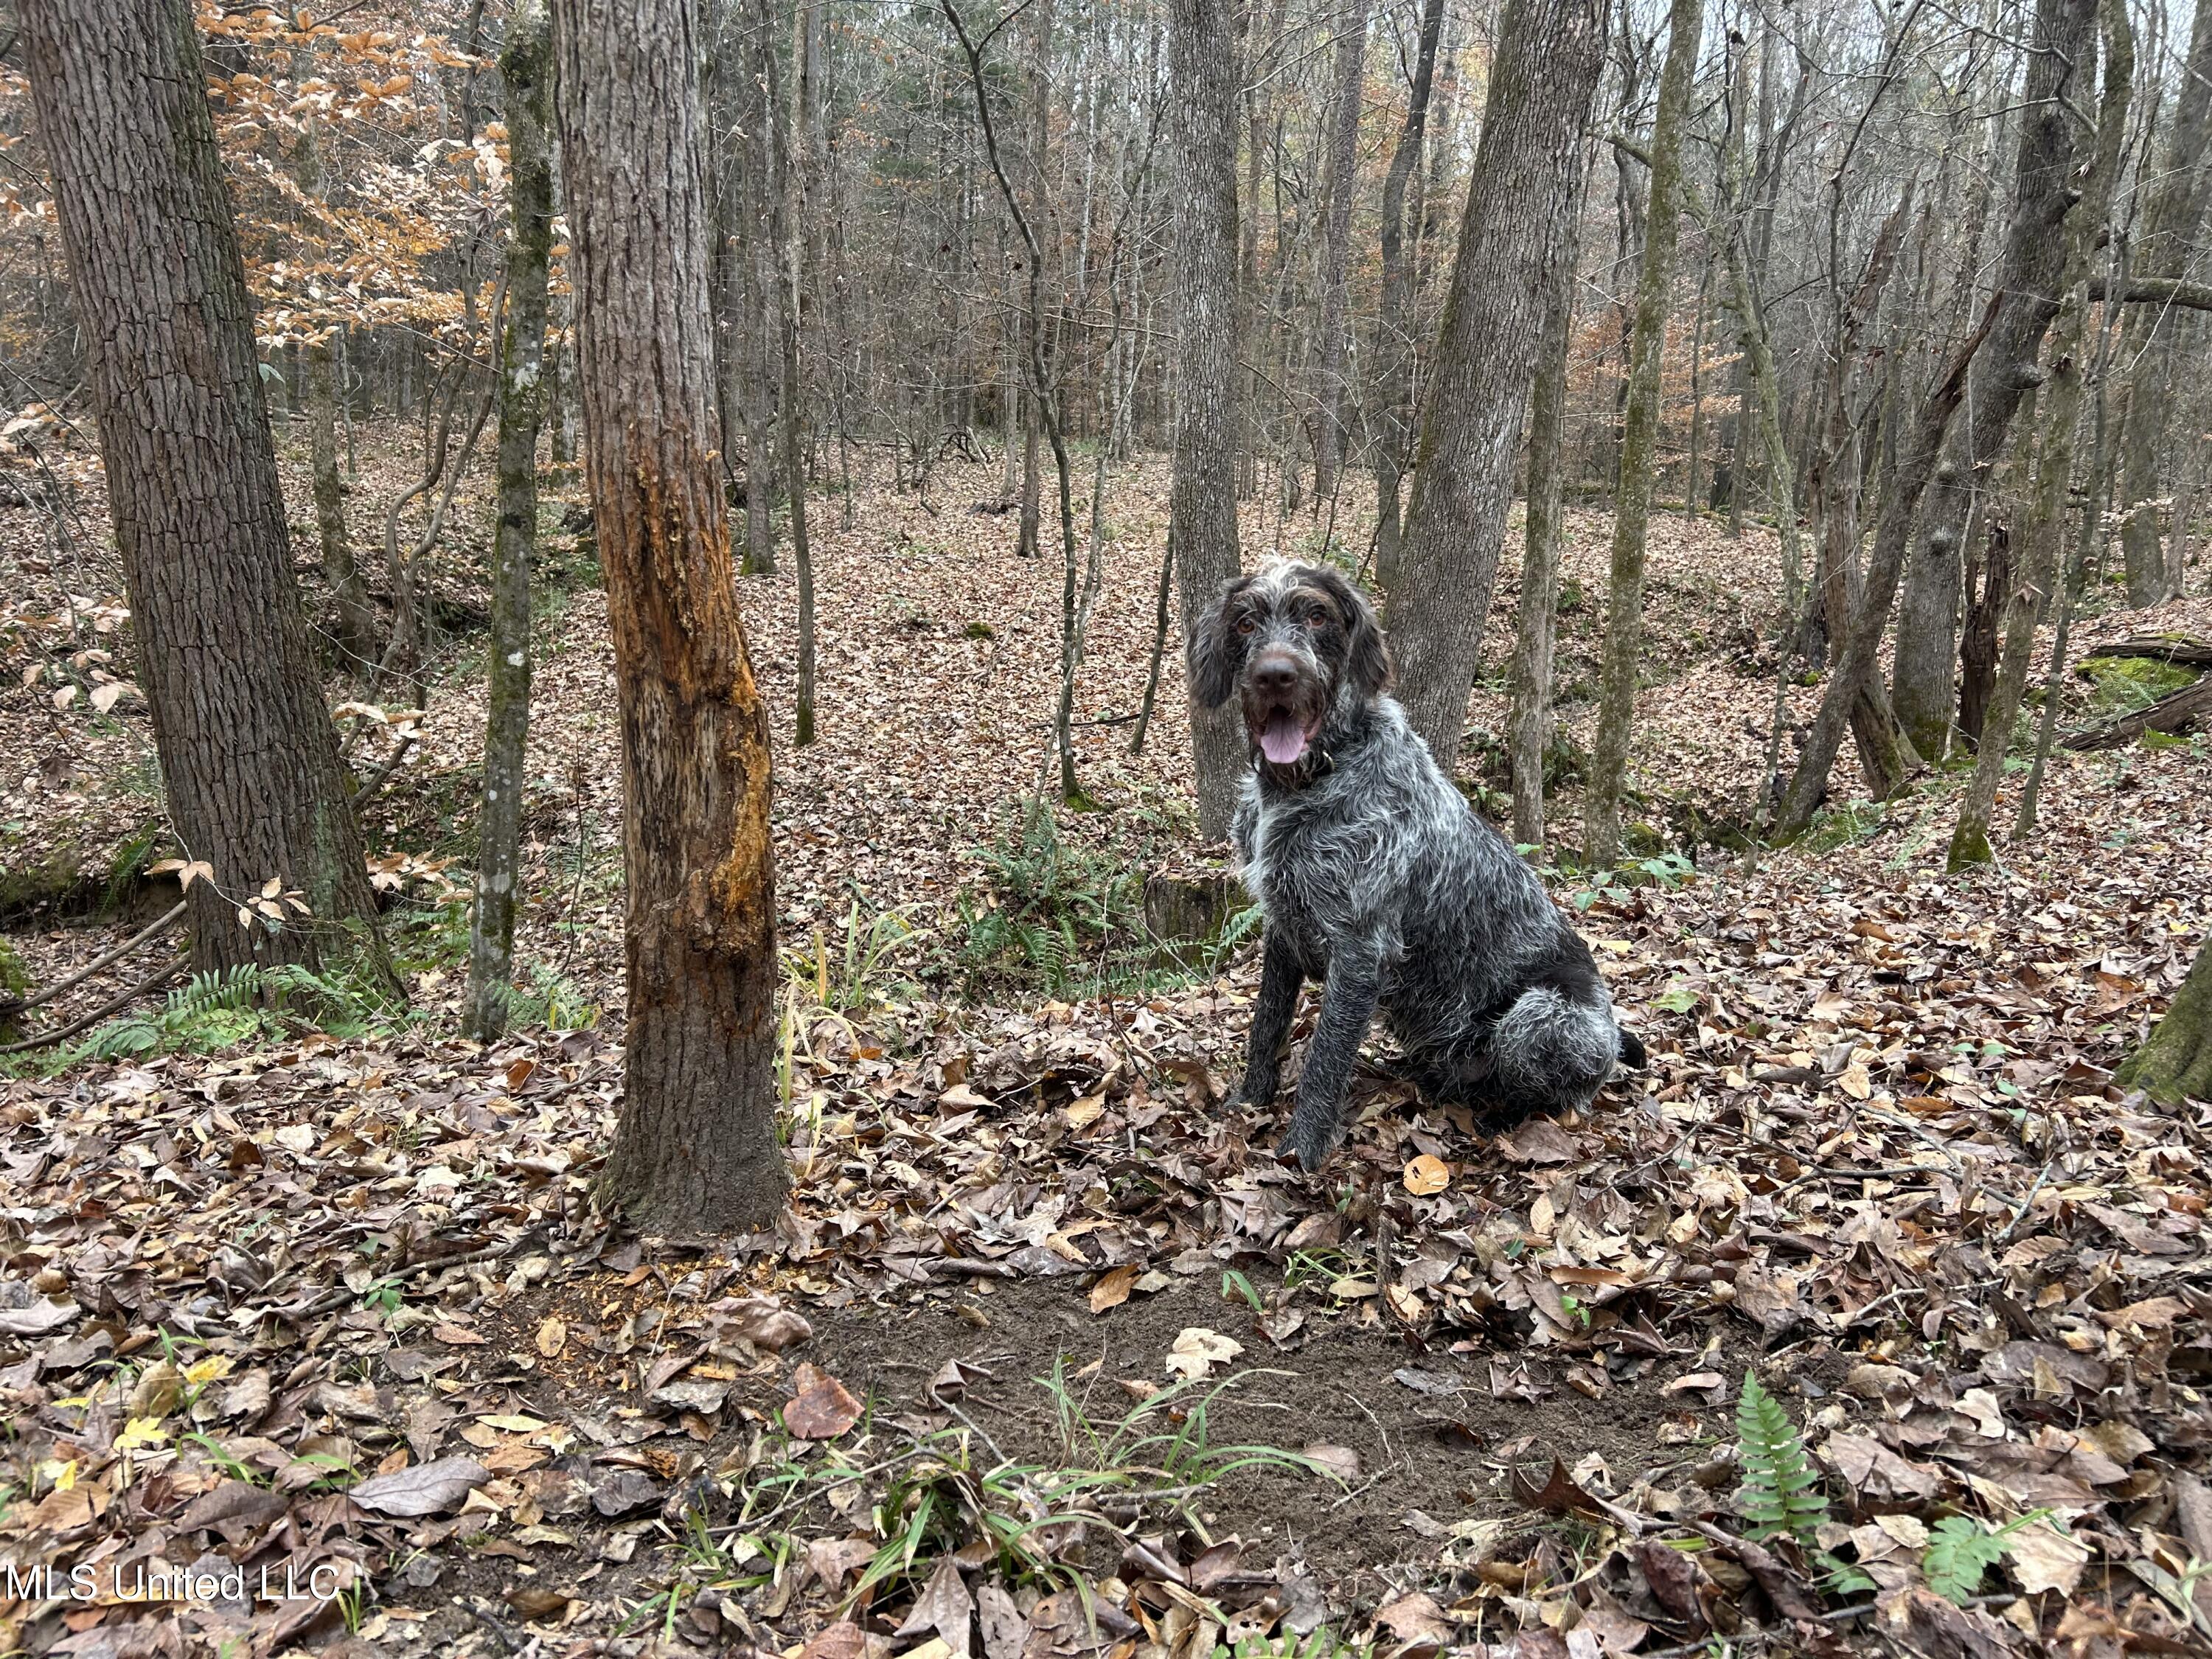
{"type": "Point", "coordinates": [352, 626]}
{"type": "Point", "coordinates": [2178, 193]}
{"type": "Point", "coordinates": [526, 67]}
{"type": "Point", "coordinates": [1395, 328]}
{"type": "Point", "coordinates": [248, 756]}
{"type": "Point", "coordinates": [1336, 244]}
{"type": "Point", "coordinates": [782, 184]}
{"type": "Point", "coordinates": [1530, 720]}
{"type": "Point", "coordinates": [695, 1151]}
{"type": "Point", "coordinates": [1849, 685]}
{"type": "Point", "coordinates": [1202, 500]}
{"type": "Point", "coordinates": [1526, 171]}
{"type": "Point", "coordinates": [2175, 1061]}
{"type": "Point", "coordinates": [2030, 270]}
{"type": "Point", "coordinates": [1624, 620]}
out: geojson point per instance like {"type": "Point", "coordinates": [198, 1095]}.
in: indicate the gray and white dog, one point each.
{"type": "Point", "coordinates": [1375, 875]}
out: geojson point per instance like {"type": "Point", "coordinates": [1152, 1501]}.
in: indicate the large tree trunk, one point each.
{"type": "Point", "coordinates": [1639, 438]}
{"type": "Point", "coordinates": [526, 66]}
{"type": "Point", "coordinates": [248, 756]}
{"type": "Point", "coordinates": [1202, 502]}
{"type": "Point", "coordinates": [2030, 270]}
{"type": "Point", "coordinates": [696, 1150]}
{"type": "Point", "coordinates": [2175, 1061]}
{"type": "Point", "coordinates": [2061, 412]}
{"type": "Point", "coordinates": [1393, 415]}
{"type": "Point", "coordinates": [1526, 170]}
{"type": "Point", "coordinates": [2178, 191]}
{"type": "Point", "coordinates": [1336, 244]}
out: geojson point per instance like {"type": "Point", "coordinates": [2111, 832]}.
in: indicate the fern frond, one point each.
{"type": "Point", "coordinates": [1781, 1494]}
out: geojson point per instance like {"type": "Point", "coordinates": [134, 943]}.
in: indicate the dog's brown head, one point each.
{"type": "Point", "coordinates": [1285, 642]}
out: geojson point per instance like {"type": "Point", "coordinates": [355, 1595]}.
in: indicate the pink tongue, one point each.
{"type": "Point", "coordinates": [1284, 740]}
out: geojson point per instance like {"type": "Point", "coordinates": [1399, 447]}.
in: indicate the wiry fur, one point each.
{"type": "Point", "coordinates": [1376, 876]}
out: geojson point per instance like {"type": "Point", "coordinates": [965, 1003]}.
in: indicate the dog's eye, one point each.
{"type": "Point", "coordinates": [1317, 618]}
{"type": "Point", "coordinates": [1245, 624]}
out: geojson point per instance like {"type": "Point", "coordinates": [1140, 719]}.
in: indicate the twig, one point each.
{"type": "Point", "coordinates": [974, 1267]}
{"type": "Point", "coordinates": [383, 774]}
{"type": "Point", "coordinates": [337, 1299]}
{"type": "Point", "coordinates": [2018, 1215]}
{"type": "Point", "coordinates": [152, 982]}
{"type": "Point", "coordinates": [9, 1005]}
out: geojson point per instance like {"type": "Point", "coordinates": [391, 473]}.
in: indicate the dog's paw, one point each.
{"type": "Point", "coordinates": [1310, 1141]}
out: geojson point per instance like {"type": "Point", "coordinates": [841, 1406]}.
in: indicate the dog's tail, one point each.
{"type": "Point", "coordinates": [1631, 1050]}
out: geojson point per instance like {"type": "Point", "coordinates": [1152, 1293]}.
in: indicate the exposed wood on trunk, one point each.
{"type": "Point", "coordinates": [695, 1151]}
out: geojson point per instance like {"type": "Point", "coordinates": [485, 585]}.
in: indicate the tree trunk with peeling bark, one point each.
{"type": "Point", "coordinates": [249, 758]}
{"type": "Point", "coordinates": [696, 1151]}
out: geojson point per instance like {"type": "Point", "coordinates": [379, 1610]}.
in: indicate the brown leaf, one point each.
{"type": "Point", "coordinates": [537, 1601]}
{"type": "Point", "coordinates": [768, 1324]}
{"type": "Point", "coordinates": [1416, 1620]}
{"type": "Point", "coordinates": [1539, 1141]}
{"type": "Point", "coordinates": [843, 1640]}
{"type": "Point", "coordinates": [1004, 1628]}
{"type": "Point", "coordinates": [423, 1489]}
{"type": "Point", "coordinates": [1558, 1495]}
{"type": "Point", "coordinates": [552, 1336]}
{"type": "Point", "coordinates": [821, 1408]}
{"type": "Point", "coordinates": [1678, 1583]}
{"type": "Point", "coordinates": [1426, 1174]}
{"type": "Point", "coordinates": [943, 1607]}
{"type": "Point", "coordinates": [1113, 1288]}
{"type": "Point", "coordinates": [1342, 1461]}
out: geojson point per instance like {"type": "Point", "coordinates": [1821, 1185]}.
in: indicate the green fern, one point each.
{"type": "Point", "coordinates": [1960, 1550]}
{"type": "Point", "coordinates": [1781, 1495]}
{"type": "Point", "coordinates": [218, 990]}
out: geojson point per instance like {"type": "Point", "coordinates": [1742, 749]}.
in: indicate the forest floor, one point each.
{"type": "Point", "coordinates": [1049, 1356]}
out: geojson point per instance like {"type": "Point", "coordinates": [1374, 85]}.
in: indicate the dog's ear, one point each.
{"type": "Point", "coordinates": [1216, 650]}
{"type": "Point", "coordinates": [1366, 655]}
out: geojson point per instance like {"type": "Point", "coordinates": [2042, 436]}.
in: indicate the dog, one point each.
{"type": "Point", "coordinates": [1374, 875]}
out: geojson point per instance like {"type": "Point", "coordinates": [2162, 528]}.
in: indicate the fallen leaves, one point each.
{"type": "Point", "coordinates": [1426, 1174]}
{"type": "Point", "coordinates": [1198, 1352]}
{"type": "Point", "coordinates": [820, 1407]}
{"type": "Point", "coordinates": [420, 1488]}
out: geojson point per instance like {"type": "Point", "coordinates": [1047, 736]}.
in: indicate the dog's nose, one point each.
{"type": "Point", "coordinates": [1274, 676]}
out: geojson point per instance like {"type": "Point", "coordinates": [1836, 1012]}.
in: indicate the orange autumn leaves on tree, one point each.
{"type": "Point", "coordinates": [405, 225]}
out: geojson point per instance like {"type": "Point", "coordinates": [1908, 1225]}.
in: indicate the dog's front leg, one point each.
{"type": "Point", "coordinates": [1355, 980]}
{"type": "Point", "coordinates": [1280, 980]}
